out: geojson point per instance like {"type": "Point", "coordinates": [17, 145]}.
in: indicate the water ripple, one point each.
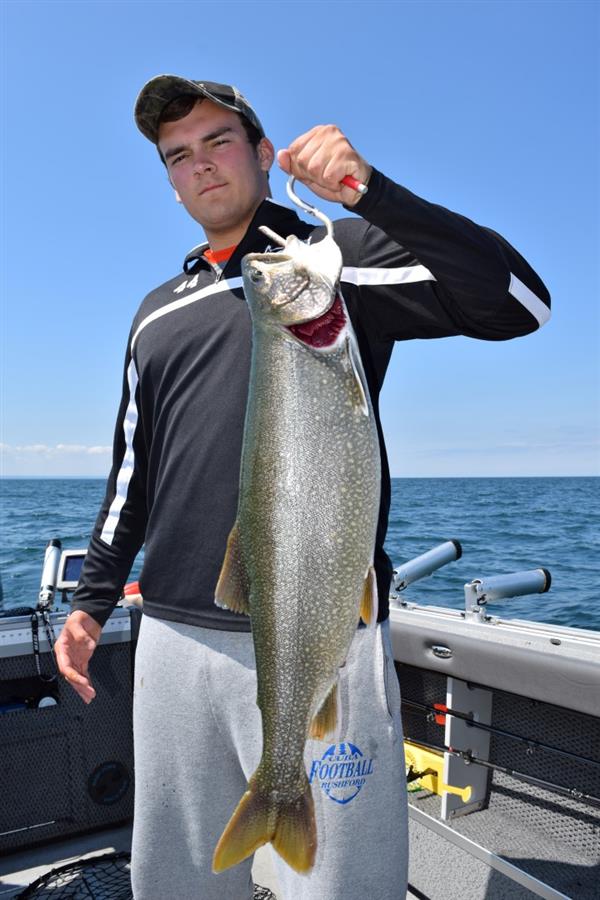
{"type": "Point", "coordinates": [504, 525]}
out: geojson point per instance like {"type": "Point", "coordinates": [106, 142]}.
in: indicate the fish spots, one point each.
{"type": "Point", "coordinates": [309, 502]}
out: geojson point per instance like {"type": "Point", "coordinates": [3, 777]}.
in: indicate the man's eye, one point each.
{"type": "Point", "coordinates": [221, 141]}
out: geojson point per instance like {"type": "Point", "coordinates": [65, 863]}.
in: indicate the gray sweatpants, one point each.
{"type": "Point", "coordinates": [197, 736]}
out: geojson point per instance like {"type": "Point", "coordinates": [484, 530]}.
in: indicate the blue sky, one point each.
{"type": "Point", "coordinates": [488, 108]}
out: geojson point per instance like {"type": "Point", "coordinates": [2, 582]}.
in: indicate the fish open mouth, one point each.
{"type": "Point", "coordinates": [322, 331]}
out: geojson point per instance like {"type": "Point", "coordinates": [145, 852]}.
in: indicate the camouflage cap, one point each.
{"type": "Point", "coordinates": [160, 90]}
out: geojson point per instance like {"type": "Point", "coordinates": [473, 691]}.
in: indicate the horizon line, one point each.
{"type": "Point", "coordinates": [392, 477]}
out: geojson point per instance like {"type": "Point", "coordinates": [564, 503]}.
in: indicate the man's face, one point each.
{"type": "Point", "coordinates": [218, 175]}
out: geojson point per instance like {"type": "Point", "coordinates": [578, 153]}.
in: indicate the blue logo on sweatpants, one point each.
{"type": "Point", "coordinates": [341, 772]}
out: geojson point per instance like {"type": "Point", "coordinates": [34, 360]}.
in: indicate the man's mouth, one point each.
{"type": "Point", "coordinates": [322, 331]}
{"type": "Point", "coordinates": [211, 187]}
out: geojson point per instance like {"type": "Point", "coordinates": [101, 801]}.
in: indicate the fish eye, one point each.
{"type": "Point", "coordinates": [255, 275]}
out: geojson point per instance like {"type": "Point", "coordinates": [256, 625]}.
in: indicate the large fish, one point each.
{"type": "Point", "coordinates": [299, 558]}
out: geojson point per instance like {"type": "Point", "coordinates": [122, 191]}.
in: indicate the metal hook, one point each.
{"type": "Point", "coordinates": [309, 209]}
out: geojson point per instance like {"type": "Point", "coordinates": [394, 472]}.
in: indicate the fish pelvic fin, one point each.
{"type": "Point", "coordinates": [369, 603]}
{"type": "Point", "coordinates": [260, 818]}
{"type": "Point", "coordinates": [325, 721]}
{"type": "Point", "coordinates": [232, 587]}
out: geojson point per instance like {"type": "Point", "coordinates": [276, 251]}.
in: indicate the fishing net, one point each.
{"type": "Point", "coordinates": [105, 877]}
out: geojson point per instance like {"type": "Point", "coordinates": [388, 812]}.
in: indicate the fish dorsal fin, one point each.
{"type": "Point", "coordinates": [326, 719]}
{"type": "Point", "coordinates": [232, 587]}
{"type": "Point", "coordinates": [360, 387]}
{"type": "Point", "coordinates": [369, 603]}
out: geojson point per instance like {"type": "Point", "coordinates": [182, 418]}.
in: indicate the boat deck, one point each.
{"type": "Point", "coordinates": [551, 839]}
{"type": "Point", "coordinates": [20, 869]}
{"type": "Point", "coordinates": [528, 840]}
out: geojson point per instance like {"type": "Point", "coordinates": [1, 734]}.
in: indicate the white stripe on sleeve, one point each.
{"type": "Point", "coordinates": [126, 470]}
{"type": "Point", "coordinates": [401, 275]}
{"type": "Point", "coordinates": [407, 274]}
{"type": "Point", "coordinates": [529, 300]}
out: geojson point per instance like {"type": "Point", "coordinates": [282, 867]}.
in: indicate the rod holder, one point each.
{"type": "Point", "coordinates": [481, 591]}
{"type": "Point", "coordinates": [426, 564]}
{"type": "Point", "coordinates": [49, 574]}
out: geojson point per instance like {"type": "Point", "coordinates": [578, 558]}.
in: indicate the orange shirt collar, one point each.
{"type": "Point", "coordinates": [219, 256]}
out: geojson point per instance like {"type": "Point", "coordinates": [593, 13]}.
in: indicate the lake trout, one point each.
{"type": "Point", "coordinates": [299, 558]}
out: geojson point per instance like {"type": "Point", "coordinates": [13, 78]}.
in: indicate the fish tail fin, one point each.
{"type": "Point", "coordinates": [258, 819]}
{"type": "Point", "coordinates": [295, 837]}
{"type": "Point", "coordinates": [248, 829]}
{"type": "Point", "coordinates": [369, 601]}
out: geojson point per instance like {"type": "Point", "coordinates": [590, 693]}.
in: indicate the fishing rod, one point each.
{"type": "Point", "coordinates": [532, 744]}
{"type": "Point", "coordinates": [467, 757]}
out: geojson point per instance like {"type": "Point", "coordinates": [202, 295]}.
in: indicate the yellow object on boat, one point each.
{"type": "Point", "coordinates": [429, 765]}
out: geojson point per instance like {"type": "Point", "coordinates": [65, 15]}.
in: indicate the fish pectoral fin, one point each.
{"type": "Point", "coordinates": [232, 587]}
{"type": "Point", "coordinates": [259, 818]}
{"type": "Point", "coordinates": [325, 720]}
{"type": "Point", "coordinates": [369, 603]}
{"type": "Point", "coordinates": [359, 394]}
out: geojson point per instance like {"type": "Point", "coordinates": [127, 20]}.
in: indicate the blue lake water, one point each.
{"type": "Point", "coordinates": [504, 525]}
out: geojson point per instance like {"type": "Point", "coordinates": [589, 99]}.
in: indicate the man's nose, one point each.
{"type": "Point", "coordinates": [203, 163]}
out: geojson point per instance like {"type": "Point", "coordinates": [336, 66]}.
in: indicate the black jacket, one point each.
{"type": "Point", "coordinates": [412, 269]}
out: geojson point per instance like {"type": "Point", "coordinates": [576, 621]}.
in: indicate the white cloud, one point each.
{"type": "Point", "coordinates": [57, 460]}
{"type": "Point", "coordinates": [56, 450]}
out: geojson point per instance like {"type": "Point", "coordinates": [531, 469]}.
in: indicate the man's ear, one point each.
{"type": "Point", "coordinates": [266, 153]}
{"type": "Point", "coordinates": [177, 197]}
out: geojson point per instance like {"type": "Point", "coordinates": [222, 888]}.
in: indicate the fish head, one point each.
{"type": "Point", "coordinates": [294, 286]}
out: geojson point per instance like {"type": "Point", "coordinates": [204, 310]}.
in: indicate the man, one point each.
{"type": "Point", "coordinates": [411, 269]}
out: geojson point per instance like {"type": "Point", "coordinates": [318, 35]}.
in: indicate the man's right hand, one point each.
{"type": "Point", "coordinates": [74, 647]}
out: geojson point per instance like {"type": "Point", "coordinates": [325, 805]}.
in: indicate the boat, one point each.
{"type": "Point", "coordinates": [502, 741]}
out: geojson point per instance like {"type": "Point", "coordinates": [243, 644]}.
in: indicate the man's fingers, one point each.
{"type": "Point", "coordinates": [284, 161]}
{"type": "Point", "coordinates": [79, 683]}
{"type": "Point", "coordinates": [321, 159]}
{"type": "Point", "coordinates": [87, 694]}
{"type": "Point", "coordinates": [70, 657]}
{"type": "Point", "coordinates": [74, 648]}
{"type": "Point", "coordinates": [75, 677]}
{"type": "Point", "coordinates": [309, 163]}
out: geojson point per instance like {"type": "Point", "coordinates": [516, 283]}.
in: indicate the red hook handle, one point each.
{"type": "Point", "coordinates": [353, 183]}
